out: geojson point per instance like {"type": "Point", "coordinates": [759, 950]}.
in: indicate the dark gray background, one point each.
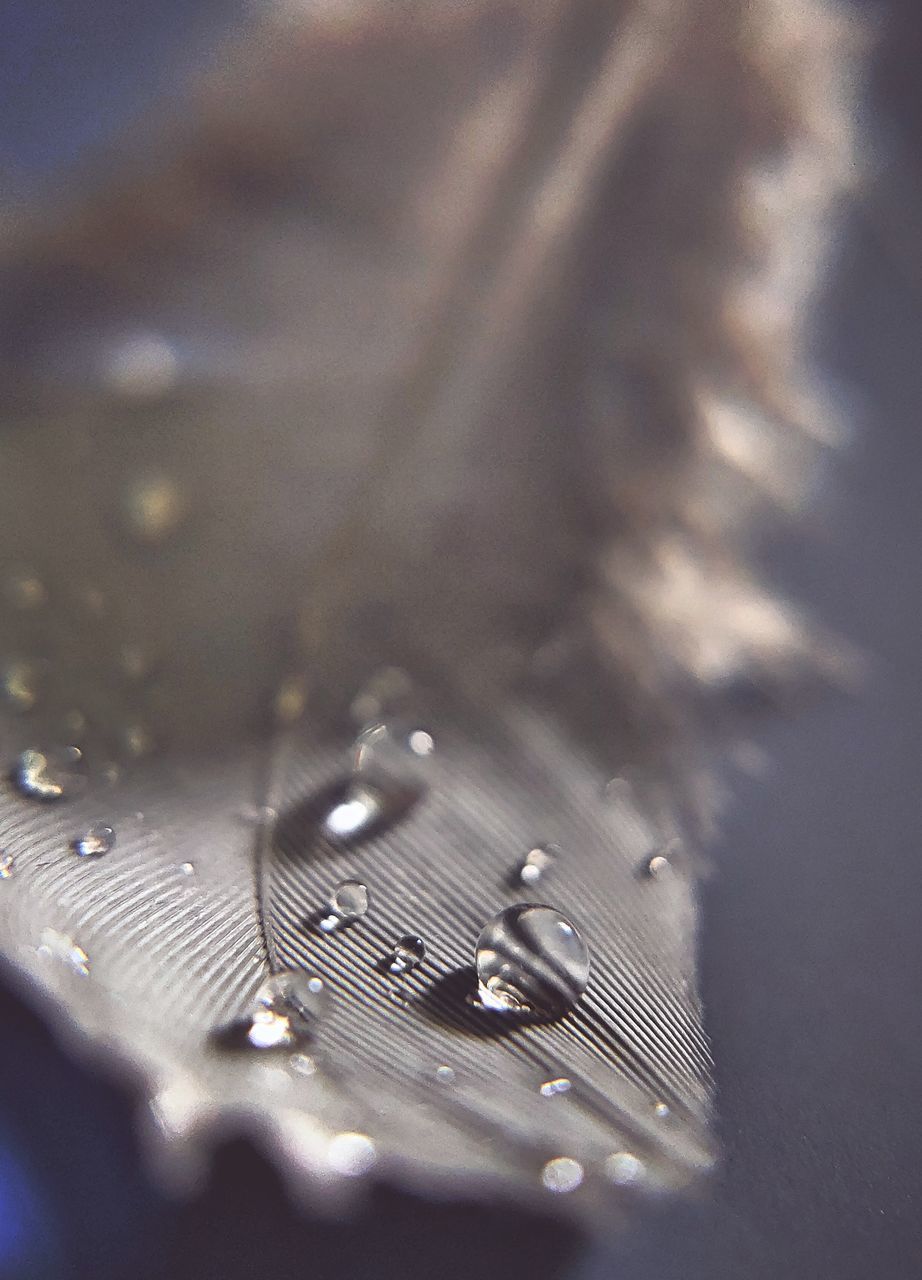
{"type": "Point", "coordinates": [811, 948]}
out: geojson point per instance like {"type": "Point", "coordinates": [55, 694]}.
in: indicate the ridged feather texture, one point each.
{"type": "Point", "coordinates": [466, 341]}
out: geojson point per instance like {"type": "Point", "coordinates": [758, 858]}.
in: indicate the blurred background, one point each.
{"type": "Point", "coordinates": [810, 944]}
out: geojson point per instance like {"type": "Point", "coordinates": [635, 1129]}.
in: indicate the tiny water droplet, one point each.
{"type": "Point", "coordinates": [351, 1154]}
{"type": "Point", "coordinates": [408, 952]}
{"type": "Point", "coordinates": [283, 1014]}
{"type": "Point", "coordinates": [20, 685]}
{"type": "Point", "coordinates": [303, 1064]}
{"type": "Point", "coordinates": [661, 1111]}
{"type": "Point", "coordinates": [137, 741]}
{"type": "Point", "coordinates": [624, 1168]}
{"type": "Point", "coordinates": [296, 993]}
{"type": "Point", "coordinates": [135, 662]}
{"type": "Point", "coordinates": [96, 841]}
{"type": "Point", "coordinates": [347, 903]}
{"type": "Point", "coordinates": [562, 1174]}
{"type": "Point", "coordinates": [532, 961]}
{"type": "Point", "coordinates": [153, 508]}
{"type": "Point", "coordinates": [7, 863]}
{"type": "Point", "coordinates": [258, 815]}
{"type": "Point", "coordinates": [658, 866]}
{"type": "Point", "coordinates": [536, 864]}
{"type": "Point", "coordinates": [551, 1088]}
{"type": "Point", "coordinates": [24, 590]}
{"type": "Point", "coordinates": [61, 947]}
{"type": "Point", "coordinates": [49, 775]}
{"type": "Point", "coordinates": [445, 1074]}
{"type": "Point", "coordinates": [186, 869]}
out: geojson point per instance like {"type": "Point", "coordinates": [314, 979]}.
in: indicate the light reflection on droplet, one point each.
{"type": "Point", "coordinates": [358, 812]}
{"type": "Point", "coordinates": [551, 1088]}
{"type": "Point", "coordinates": [351, 1154]}
{"type": "Point", "coordinates": [658, 866]}
{"type": "Point", "coordinates": [7, 864]}
{"type": "Point", "coordinates": [562, 1174]}
{"type": "Point", "coordinates": [186, 869]}
{"type": "Point", "coordinates": [624, 1168]}
{"type": "Point", "coordinates": [661, 1111]}
{"type": "Point", "coordinates": [62, 948]}
{"type": "Point", "coordinates": [303, 1064]}
{"type": "Point", "coordinates": [445, 1074]}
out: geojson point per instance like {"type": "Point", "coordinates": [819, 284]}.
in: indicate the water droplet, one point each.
{"type": "Point", "coordinates": [61, 947]}
{"type": "Point", "coordinates": [283, 1014]}
{"type": "Point", "coordinates": [624, 1168]}
{"type": "Point", "coordinates": [137, 741]}
{"type": "Point", "coordinates": [49, 776]}
{"type": "Point", "coordinates": [153, 509]}
{"type": "Point", "coordinates": [661, 1111]}
{"type": "Point", "coordinates": [24, 590]}
{"type": "Point", "coordinates": [351, 1154]}
{"type": "Point", "coordinates": [94, 842]}
{"type": "Point", "coordinates": [658, 866]}
{"type": "Point", "coordinates": [445, 1074]}
{"type": "Point", "coordinates": [536, 864]}
{"type": "Point", "coordinates": [408, 952]}
{"type": "Point", "coordinates": [552, 1087]}
{"type": "Point", "coordinates": [562, 1174]}
{"type": "Point", "coordinates": [7, 863]}
{"type": "Point", "coordinates": [397, 750]}
{"type": "Point", "coordinates": [135, 662]}
{"type": "Point", "coordinates": [300, 995]}
{"type": "Point", "coordinates": [347, 903]}
{"type": "Point", "coordinates": [186, 869]}
{"type": "Point", "coordinates": [531, 960]}
{"type": "Point", "coordinates": [303, 1063]}
{"type": "Point", "coordinates": [20, 685]}
{"type": "Point", "coordinates": [142, 366]}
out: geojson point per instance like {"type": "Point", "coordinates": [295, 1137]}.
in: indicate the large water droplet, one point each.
{"type": "Point", "coordinates": [61, 947]}
{"type": "Point", "coordinates": [283, 1015]}
{"type": "Point", "coordinates": [347, 903]}
{"type": "Point", "coordinates": [7, 863]}
{"type": "Point", "coordinates": [531, 961]}
{"type": "Point", "coordinates": [98, 840]}
{"type": "Point", "coordinates": [536, 864]}
{"type": "Point", "coordinates": [49, 775]}
{"type": "Point", "coordinates": [658, 866]}
{"type": "Point", "coordinates": [562, 1174]}
{"type": "Point", "coordinates": [408, 952]}
{"type": "Point", "coordinates": [396, 750]}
